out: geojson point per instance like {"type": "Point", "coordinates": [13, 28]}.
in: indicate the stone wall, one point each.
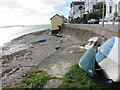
{"type": "Point", "coordinates": [84, 32]}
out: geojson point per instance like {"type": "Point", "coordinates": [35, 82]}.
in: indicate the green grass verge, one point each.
{"type": "Point", "coordinates": [34, 79]}
{"type": "Point", "coordinates": [74, 78]}
{"type": "Point", "coordinates": [78, 78]}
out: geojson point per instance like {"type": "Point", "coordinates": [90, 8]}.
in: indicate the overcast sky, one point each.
{"type": "Point", "coordinates": [29, 12]}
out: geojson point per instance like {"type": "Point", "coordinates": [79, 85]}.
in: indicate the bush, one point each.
{"type": "Point", "coordinates": [81, 20]}
{"type": "Point", "coordinates": [115, 14]}
{"type": "Point", "coordinates": [95, 15]}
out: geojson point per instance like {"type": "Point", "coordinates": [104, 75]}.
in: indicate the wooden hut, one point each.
{"type": "Point", "coordinates": [56, 24]}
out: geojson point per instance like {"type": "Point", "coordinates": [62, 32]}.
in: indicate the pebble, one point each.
{"type": "Point", "coordinates": [71, 52]}
{"type": "Point", "coordinates": [24, 75]}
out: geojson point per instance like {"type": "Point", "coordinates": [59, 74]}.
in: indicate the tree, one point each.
{"type": "Point", "coordinates": [97, 14]}
{"type": "Point", "coordinates": [115, 14]}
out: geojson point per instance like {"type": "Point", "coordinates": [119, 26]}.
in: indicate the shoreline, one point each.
{"type": "Point", "coordinates": [8, 26]}
{"type": "Point", "coordinates": [25, 52]}
{"type": "Point", "coordinates": [24, 34]}
{"type": "Point", "coordinates": [12, 55]}
{"type": "Point", "coordinates": [29, 33]}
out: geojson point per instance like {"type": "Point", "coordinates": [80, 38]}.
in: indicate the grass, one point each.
{"type": "Point", "coordinates": [77, 78]}
{"type": "Point", "coordinates": [75, 51]}
{"type": "Point", "coordinates": [74, 78]}
{"type": "Point", "coordinates": [34, 79]}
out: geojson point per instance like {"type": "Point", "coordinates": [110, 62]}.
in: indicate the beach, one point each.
{"type": "Point", "coordinates": [54, 56]}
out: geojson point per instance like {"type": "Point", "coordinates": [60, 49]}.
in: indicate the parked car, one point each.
{"type": "Point", "coordinates": [93, 21]}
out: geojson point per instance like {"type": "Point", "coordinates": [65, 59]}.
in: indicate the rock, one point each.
{"type": "Point", "coordinates": [58, 35]}
{"type": "Point", "coordinates": [13, 71]}
{"type": "Point", "coordinates": [6, 71]}
{"type": "Point", "coordinates": [66, 39]}
{"type": "Point", "coordinates": [71, 52]}
{"type": "Point", "coordinates": [24, 75]}
{"type": "Point", "coordinates": [57, 47]}
{"type": "Point", "coordinates": [31, 46]}
{"type": "Point", "coordinates": [53, 83]}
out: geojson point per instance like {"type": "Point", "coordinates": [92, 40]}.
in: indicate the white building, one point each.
{"type": "Point", "coordinates": [119, 9]}
{"type": "Point", "coordinates": [111, 8]}
{"type": "Point", "coordinates": [89, 5]}
{"type": "Point", "coordinates": [76, 9]}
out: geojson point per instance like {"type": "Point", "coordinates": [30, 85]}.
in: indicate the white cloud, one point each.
{"type": "Point", "coordinates": [14, 12]}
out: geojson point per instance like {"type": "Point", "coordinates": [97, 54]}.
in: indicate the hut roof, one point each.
{"type": "Point", "coordinates": [54, 16]}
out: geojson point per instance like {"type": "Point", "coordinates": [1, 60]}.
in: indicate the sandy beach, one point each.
{"type": "Point", "coordinates": [25, 53]}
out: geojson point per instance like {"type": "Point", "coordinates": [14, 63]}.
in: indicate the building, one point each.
{"type": "Point", "coordinates": [112, 7]}
{"type": "Point", "coordinates": [64, 18]}
{"type": "Point", "coordinates": [56, 24]}
{"type": "Point", "coordinates": [89, 5]}
{"type": "Point", "coordinates": [119, 9]}
{"type": "Point", "coordinates": [77, 8]}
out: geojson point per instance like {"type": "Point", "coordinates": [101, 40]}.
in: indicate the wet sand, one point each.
{"type": "Point", "coordinates": [25, 53]}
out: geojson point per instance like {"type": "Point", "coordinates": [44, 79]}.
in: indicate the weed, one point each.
{"type": "Point", "coordinates": [78, 78]}
{"type": "Point", "coordinates": [34, 79]}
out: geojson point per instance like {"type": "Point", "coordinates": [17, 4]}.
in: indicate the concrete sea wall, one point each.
{"type": "Point", "coordinates": [83, 32]}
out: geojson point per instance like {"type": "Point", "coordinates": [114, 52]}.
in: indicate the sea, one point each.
{"type": "Point", "coordinates": [7, 33]}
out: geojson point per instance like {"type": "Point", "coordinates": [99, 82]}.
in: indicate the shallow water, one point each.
{"type": "Point", "coordinates": [9, 33]}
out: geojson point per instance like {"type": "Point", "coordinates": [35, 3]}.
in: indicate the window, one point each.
{"type": "Point", "coordinates": [110, 9]}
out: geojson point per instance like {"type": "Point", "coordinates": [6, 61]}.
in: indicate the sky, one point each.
{"type": "Point", "coordinates": [31, 12]}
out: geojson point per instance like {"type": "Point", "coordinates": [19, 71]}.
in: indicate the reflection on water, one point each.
{"type": "Point", "coordinates": [9, 33]}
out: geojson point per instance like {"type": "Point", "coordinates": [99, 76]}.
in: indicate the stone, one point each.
{"type": "Point", "coordinates": [57, 47]}
{"type": "Point", "coordinates": [24, 75]}
{"type": "Point", "coordinates": [53, 83]}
